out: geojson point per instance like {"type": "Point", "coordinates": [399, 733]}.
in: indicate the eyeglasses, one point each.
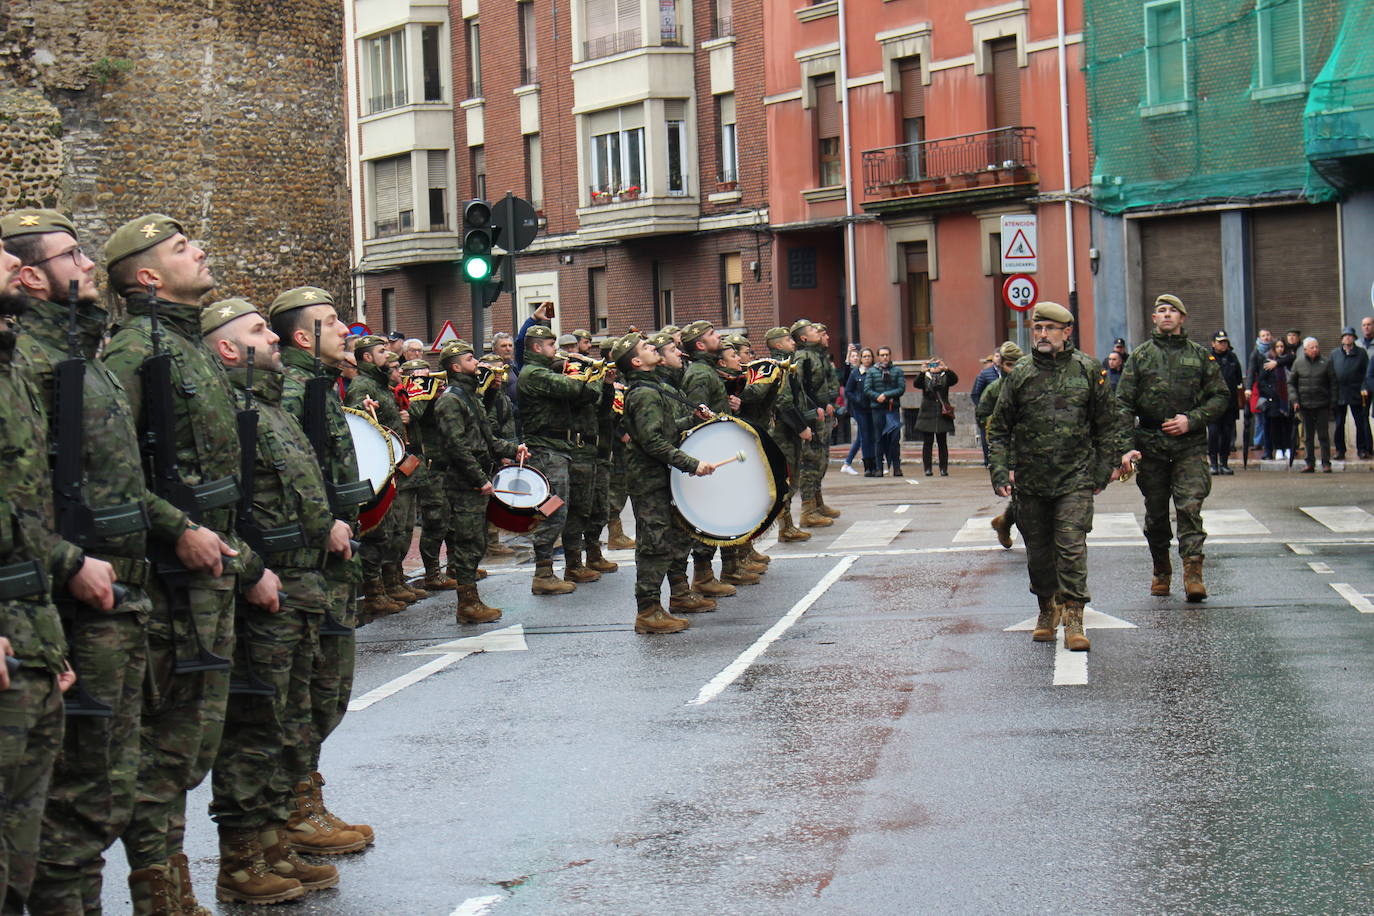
{"type": "Point", "coordinates": [75, 252]}
{"type": "Point", "coordinates": [1047, 328]}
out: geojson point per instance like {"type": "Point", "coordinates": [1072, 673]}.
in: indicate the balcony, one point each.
{"type": "Point", "coordinates": [628, 213]}
{"type": "Point", "coordinates": [951, 171]}
{"type": "Point", "coordinates": [614, 43]}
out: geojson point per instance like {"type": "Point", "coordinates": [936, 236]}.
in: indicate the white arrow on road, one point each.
{"type": "Point", "coordinates": [509, 639]}
{"type": "Point", "coordinates": [1071, 668]}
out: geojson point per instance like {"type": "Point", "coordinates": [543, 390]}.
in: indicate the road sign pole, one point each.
{"type": "Point", "coordinates": [478, 334]}
{"type": "Point", "coordinates": [1021, 332]}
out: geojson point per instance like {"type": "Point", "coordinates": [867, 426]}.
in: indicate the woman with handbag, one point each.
{"type": "Point", "coordinates": [1273, 403]}
{"type": "Point", "coordinates": [936, 420]}
{"type": "Point", "coordinates": [857, 402]}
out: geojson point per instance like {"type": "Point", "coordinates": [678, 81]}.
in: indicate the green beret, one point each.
{"type": "Point", "coordinates": [221, 313]}
{"type": "Point", "coordinates": [367, 341]}
{"type": "Point", "coordinates": [411, 365]}
{"type": "Point", "coordinates": [540, 332]}
{"type": "Point", "coordinates": [582, 334]}
{"type": "Point", "coordinates": [669, 329]}
{"type": "Point", "coordinates": [605, 345]}
{"type": "Point", "coordinates": [738, 341]}
{"type": "Point", "coordinates": [626, 344]}
{"type": "Point", "coordinates": [454, 348]}
{"type": "Point", "coordinates": [1052, 311]}
{"type": "Point", "coordinates": [34, 222]}
{"type": "Point", "coordinates": [775, 333]}
{"type": "Point", "coordinates": [139, 235]}
{"type": "Point", "coordinates": [491, 359]}
{"type": "Point", "coordinates": [662, 340]}
{"type": "Point", "coordinates": [299, 298]}
{"type": "Point", "coordinates": [820, 327]}
{"type": "Point", "coordinates": [1011, 353]}
{"type": "Point", "coordinates": [695, 330]}
{"type": "Point", "coordinates": [798, 326]}
{"type": "Point", "coordinates": [1176, 302]}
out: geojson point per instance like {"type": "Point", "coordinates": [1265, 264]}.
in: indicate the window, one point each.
{"type": "Point", "coordinates": [393, 196]}
{"type": "Point", "coordinates": [611, 26]}
{"type": "Point", "coordinates": [1004, 84]}
{"type": "Point", "coordinates": [830, 168]}
{"type": "Point", "coordinates": [389, 309]}
{"type": "Point", "coordinates": [386, 69]}
{"type": "Point", "coordinates": [534, 171]}
{"type": "Point", "coordinates": [669, 32]}
{"type": "Point", "coordinates": [663, 282]}
{"type": "Point", "coordinates": [617, 166]}
{"type": "Point", "coordinates": [529, 59]}
{"type": "Point", "coordinates": [474, 53]}
{"type": "Point", "coordinates": [1166, 74]}
{"type": "Point", "coordinates": [732, 286]}
{"type": "Point", "coordinates": [725, 19]}
{"type": "Point", "coordinates": [675, 113]}
{"type": "Point", "coordinates": [1280, 27]}
{"type": "Point", "coordinates": [596, 299]}
{"type": "Point", "coordinates": [437, 161]}
{"type": "Point", "coordinates": [728, 152]}
{"type": "Point", "coordinates": [918, 299]}
{"type": "Point", "coordinates": [430, 64]}
{"type": "Point", "coordinates": [478, 157]}
{"type": "Point", "coordinates": [912, 113]}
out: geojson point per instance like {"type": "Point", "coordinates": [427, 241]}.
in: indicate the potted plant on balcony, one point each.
{"type": "Point", "coordinates": [601, 197]}
{"type": "Point", "coordinates": [630, 193]}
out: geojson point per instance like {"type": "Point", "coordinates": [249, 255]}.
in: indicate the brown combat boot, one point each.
{"type": "Point", "coordinates": [789, 530]}
{"type": "Point", "coordinates": [317, 780]}
{"type": "Point", "coordinates": [243, 875]}
{"type": "Point", "coordinates": [546, 583]}
{"type": "Point", "coordinates": [1193, 589]}
{"type": "Point", "coordinates": [494, 546]}
{"type": "Point", "coordinates": [153, 892]}
{"type": "Point", "coordinates": [282, 859]}
{"type": "Point", "coordinates": [419, 593]}
{"type": "Point", "coordinates": [823, 509]}
{"type": "Point", "coordinates": [757, 558]}
{"type": "Point", "coordinates": [682, 600]}
{"type": "Point", "coordinates": [1048, 621]}
{"type": "Point", "coordinates": [704, 582]}
{"type": "Point", "coordinates": [810, 518]}
{"type": "Point", "coordinates": [471, 609]}
{"type": "Point", "coordinates": [309, 832]}
{"type": "Point", "coordinates": [183, 891]}
{"type": "Point", "coordinates": [732, 573]}
{"type": "Point", "coordinates": [395, 584]}
{"type": "Point", "coordinates": [437, 581]}
{"type": "Point", "coordinates": [574, 570]}
{"type": "Point", "coordinates": [1074, 640]}
{"type": "Point", "coordinates": [616, 538]}
{"type": "Point", "coordinates": [375, 601]}
{"type": "Point", "coordinates": [1161, 578]}
{"type": "Point", "coordinates": [598, 562]}
{"type": "Point", "coordinates": [653, 619]}
{"type": "Point", "coordinates": [1003, 529]}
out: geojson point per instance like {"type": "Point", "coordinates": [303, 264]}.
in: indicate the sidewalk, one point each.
{"type": "Point", "coordinates": [911, 453]}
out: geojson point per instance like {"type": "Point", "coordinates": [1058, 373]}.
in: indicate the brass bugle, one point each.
{"type": "Point", "coordinates": [587, 369]}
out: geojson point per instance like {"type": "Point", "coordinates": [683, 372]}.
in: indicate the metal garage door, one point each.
{"type": "Point", "coordinates": [1182, 255]}
{"type": "Point", "coordinates": [1296, 271]}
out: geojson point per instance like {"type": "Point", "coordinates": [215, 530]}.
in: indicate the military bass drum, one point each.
{"type": "Point", "coordinates": [377, 449]}
{"type": "Point", "coordinates": [742, 498]}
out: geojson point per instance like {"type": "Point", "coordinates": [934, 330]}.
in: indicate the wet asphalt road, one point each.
{"type": "Point", "coordinates": [894, 751]}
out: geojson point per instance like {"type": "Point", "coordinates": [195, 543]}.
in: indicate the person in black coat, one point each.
{"type": "Point", "coordinates": [1350, 362]}
{"type": "Point", "coordinates": [936, 420]}
{"type": "Point", "coordinates": [1221, 435]}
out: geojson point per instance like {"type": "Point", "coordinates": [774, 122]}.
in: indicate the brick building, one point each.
{"type": "Point", "coordinates": [634, 127]}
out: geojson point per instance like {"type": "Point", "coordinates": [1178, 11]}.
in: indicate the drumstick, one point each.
{"type": "Point", "coordinates": [738, 456]}
{"type": "Point", "coordinates": [513, 492]}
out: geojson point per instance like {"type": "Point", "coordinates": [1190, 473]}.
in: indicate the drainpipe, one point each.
{"type": "Point", "coordinates": [355, 184]}
{"type": "Point", "coordinates": [853, 282]}
{"type": "Point", "coordinates": [1068, 181]}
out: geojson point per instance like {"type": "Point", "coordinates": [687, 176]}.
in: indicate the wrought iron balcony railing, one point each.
{"type": "Point", "coordinates": [989, 153]}
{"type": "Point", "coordinates": [614, 43]}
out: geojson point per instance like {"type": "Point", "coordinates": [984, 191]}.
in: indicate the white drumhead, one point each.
{"type": "Point", "coordinates": [373, 449]}
{"type": "Point", "coordinates": [520, 487]}
{"type": "Point", "coordinates": [735, 500]}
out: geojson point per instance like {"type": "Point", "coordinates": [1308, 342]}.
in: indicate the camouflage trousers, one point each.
{"type": "Point", "coordinates": [1055, 532]}
{"type": "Point", "coordinates": [586, 502]}
{"type": "Point", "coordinates": [1184, 478]}
{"type": "Point", "coordinates": [661, 544]}
{"type": "Point", "coordinates": [791, 448]}
{"type": "Point", "coordinates": [267, 739]}
{"type": "Point", "coordinates": [557, 467]}
{"type": "Point", "coordinates": [815, 458]}
{"type": "Point", "coordinates": [31, 723]}
{"type": "Point", "coordinates": [377, 543]}
{"type": "Point", "coordinates": [436, 518]}
{"type": "Point", "coordinates": [467, 536]}
{"type": "Point", "coordinates": [600, 513]}
{"type": "Point", "coordinates": [183, 719]}
{"type": "Point", "coordinates": [616, 491]}
{"type": "Point", "coordinates": [94, 784]}
{"type": "Point", "coordinates": [404, 509]}
{"type": "Point", "coordinates": [331, 676]}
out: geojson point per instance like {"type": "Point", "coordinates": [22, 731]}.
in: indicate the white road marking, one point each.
{"type": "Point", "coordinates": [978, 530]}
{"type": "Point", "coordinates": [902, 508]}
{"type": "Point", "coordinates": [1231, 522]}
{"type": "Point", "coordinates": [1318, 567]}
{"type": "Point", "coordinates": [477, 906]}
{"type": "Point", "coordinates": [914, 483]}
{"type": "Point", "coordinates": [746, 658]}
{"type": "Point", "coordinates": [1343, 519]}
{"type": "Point", "coordinates": [1351, 594]}
{"type": "Point", "coordinates": [876, 533]}
{"type": "Point", "coordinates": [1301, 550]}
{"type": "Point", "coordinates": [509, 639]}
{"type": "Point", "coordinates": [1071, 668]}
{"type": "Point", "coordinates": [769, 539]}
{"type": "Point", "coordinates": [1115, 526]}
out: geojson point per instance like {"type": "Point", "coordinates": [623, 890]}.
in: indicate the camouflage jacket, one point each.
{"type": "Point", "coordinates": [372, 382]}
{"type": "Point", "coordinates": [759, 401]}
{"type": "Point", "coordinates": [500, 411]}
{"type": "Point", "coordinates": [1165, 376]}
{"type": "Point", "coordinates": [654, 420]}
{"type": "Point", "coordinates": [288, 488]}
{"type": "Point", "coordinates": [548, 400]}
{"type": "Point", "coordinates": [465, 435]}
{"type": "Point", "coordinates": [701, 382]}
{"type": "Point", "coordinates": [30, 622]}
{"type": "Point", "coordinates": [811, 369]}
{"type": "Point", "coordinates": [207, 445]}
{"type": "Point", "coordinates": [1056, 425]}
{"type": "Point", "coordinates": [791, 408]}
{"type": "Point", "coordinates": [341, 461]}
{"type": "Point", "coordinates": [987, 402]}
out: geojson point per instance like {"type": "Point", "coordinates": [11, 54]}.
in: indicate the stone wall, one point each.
{"type": "Point", "coordinates": [225, 115]}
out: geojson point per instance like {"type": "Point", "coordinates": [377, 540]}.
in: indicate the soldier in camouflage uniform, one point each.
{"type": "Point", "coordinates": [422, 389]}
{"type": "Point", "coordinates": [1011, 354]}
{"type": "Point", "coordinates": [830, 391]}
{"type": "Point", "coordinates": [815, 452]}
{"type": "Point", "coordinates": [1057, 428]}
{"type": "Point", "coordinates": [1170, 390]}
{"type": "Point", "coordinates": [294, 315]}
{"type": "Point", "coordinates": [607, 435]}
{"type": "Point", "coordinates": [92, 794]}
{"type": "Point", "coordinates": [267, 740]}
{"type": "Point", "coordinates": [587, 514]}
{"type": "Point", "coordinates": [791, 428]}
{"type": "Point", "coordinates": [410, 487]}
{"type": "Point", "coordinates": [183, 714]}
{"type": "Point", "coordinates": [758, 404]}
{"type": "Point", "coordinates": [549, 401]}
{"type": "Point", "coordinates": [617, 492]}
{"type": "Point", "coordinates": [654, 425]}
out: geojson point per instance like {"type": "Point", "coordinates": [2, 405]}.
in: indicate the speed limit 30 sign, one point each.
{"type": "Point", "coordinates": [1020, 292]}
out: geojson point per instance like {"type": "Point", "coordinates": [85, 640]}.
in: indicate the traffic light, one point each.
{"type": "Point", "coordinates": [478, 237]}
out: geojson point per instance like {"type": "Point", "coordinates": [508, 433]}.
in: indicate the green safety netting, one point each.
{"type": "Point", "coordinates": [1213, 100]}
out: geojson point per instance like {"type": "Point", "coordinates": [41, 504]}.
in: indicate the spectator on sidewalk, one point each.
{"type": "Point", "coordinates": [991, 372]}
{"type": "Point", "coordinates": [1221, 435]}
{"type": "Point", "coordinates": [1120, 349]}
{"type": "Point", "coordinates": [1259, 358]}
{"type": "Point", "coordinates": [1273, 403]}
{"type": "Point", "coordinates": [1312, 386]}
{"type": "Point", "coordinates": [884, 386]}
{"type": "Point", "coordinates": [1350, 363]}
{"type": "Point", "coordinates": [1115, 362]}
{"type": "Point", "coordinates": [936, 420]}
{"type": "Point", "coordinates": [412, 349]}
{"type": "Point", "coordinates": [1366, 338]}
{"type": "Point", "coordinates": [856, 400]}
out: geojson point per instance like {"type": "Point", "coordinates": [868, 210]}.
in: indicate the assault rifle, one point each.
{"type": "Point", "coordinates": [159, 444]}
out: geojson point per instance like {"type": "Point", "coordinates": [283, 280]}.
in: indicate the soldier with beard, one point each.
{"type": "Point", "coordinates": [792, 430]}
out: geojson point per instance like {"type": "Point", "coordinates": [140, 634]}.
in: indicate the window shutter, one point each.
{"type": "Point", "coordinates": [1006, 83]}
{"type": "Point", "coordinates": [405, 187]}
{"type": "Point", "coordinates": [827, 108]}
{"type": "Point", "coordinates": [727, 108]}
{"type": "Point", "coordinates": [913, 98]}
{"type": "Point", "coordinates": [626, 15]}
{"type": "Point", "coordinates": [603, 122]}
{"type": "Point", "coordinates": [631, 116]}
{"type": "Point", "coordinates": [438, 168]}
{"type": "Point", "coordinates": [917, 258]}
{"type": "Point", "coordinates": [600, 15]}
{"type": "Point", "coordinates": [732, 269]}
{"type": "Point", "coordinates": [384, 189]}
{"type": "Point", "coordinates": [675, 110]}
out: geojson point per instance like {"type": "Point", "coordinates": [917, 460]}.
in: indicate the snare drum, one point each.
{"type": "Point", "coordinates": [741, 499]}
{"type": "Point", "coordinates": [377, 449]}
{"type": "Point", "coordinates": [522, 500]}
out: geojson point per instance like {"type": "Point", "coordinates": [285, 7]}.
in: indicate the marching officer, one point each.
{"type": "Point", "coordinates": [1010, 354]}
{"type": "Point", "coordinates": [791, 428]}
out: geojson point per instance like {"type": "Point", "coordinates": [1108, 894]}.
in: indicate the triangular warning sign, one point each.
{"type": "Point", "coordinates": [446, 333]}
{"type": "Point", "coordinates": [1020, 248]}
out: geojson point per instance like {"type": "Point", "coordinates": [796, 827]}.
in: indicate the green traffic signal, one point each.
{"type": "Point", "coordinates": [477, 268]}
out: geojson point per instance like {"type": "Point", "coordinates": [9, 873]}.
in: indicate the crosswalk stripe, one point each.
{"type": "Point", "coordinates": [978, 530]}
{"type": "Point", "coordinates": [1345, 519]}
{"type": "Point", "coordinates": [1229, 522]}
{"type": "Point", "coordinates": [876, 533]}
{"type": "Point", "coordinates": [1115, 526]}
